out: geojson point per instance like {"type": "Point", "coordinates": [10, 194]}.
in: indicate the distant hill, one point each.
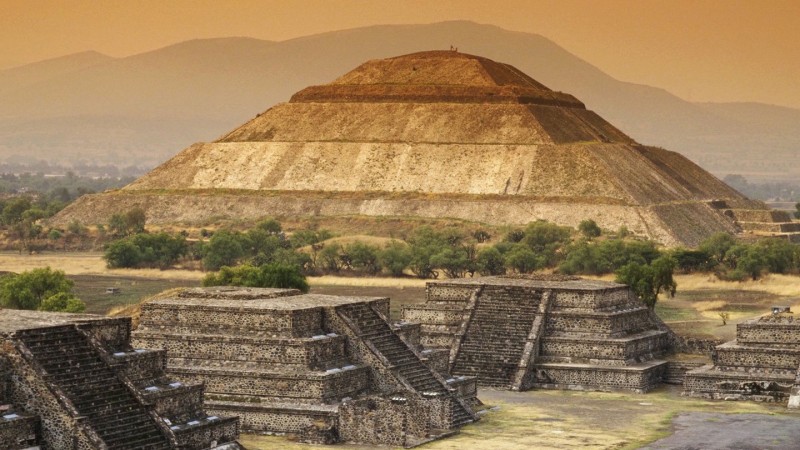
{"type": "Point", "coordinates": [144, 108]}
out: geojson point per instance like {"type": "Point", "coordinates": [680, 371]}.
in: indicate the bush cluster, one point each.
{"type": "Point", "coordinates": [41, 289]}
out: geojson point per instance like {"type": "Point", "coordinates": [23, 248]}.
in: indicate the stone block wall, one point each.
{"type": "Point", "coordinates": [760, 365]}
{"type": "Point", "coordinates": [399, 419]}
{"type": "Point", "coordinates": [192, 319]}
{"type": "Point", "coordinates": [612, 324]}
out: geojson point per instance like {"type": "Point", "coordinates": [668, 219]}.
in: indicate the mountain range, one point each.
{"type": "Point", "coordinates": [142, 109]}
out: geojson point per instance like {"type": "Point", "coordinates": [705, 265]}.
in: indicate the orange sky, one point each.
{"type": "Point", "coordinates": [719, 50]}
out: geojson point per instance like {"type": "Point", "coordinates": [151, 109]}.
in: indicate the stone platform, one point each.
{"type": "Point", "coordinates": [72, 381]}
{"type": "Point", "coordinates": [761, 364]}
{"type": "Point", "coordinates": [548, 332]}
{"type": "Point", "coordinates": [310, 365]}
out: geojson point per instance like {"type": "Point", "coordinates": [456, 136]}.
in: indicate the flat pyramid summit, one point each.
{"type": "Point", "coordinates": [433, 134]}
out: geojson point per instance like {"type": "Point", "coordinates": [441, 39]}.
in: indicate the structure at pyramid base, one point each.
{"type": "Point", "coordinates": [435, 134]}
{"type": "Point", "coordinates": [323, 368]}
{"type": "Point", "coordinates": [761, 364]}
{"type": "Point", "coordinates": [72, 381]}
{"type": "Point", "coordinates": [550, 332]}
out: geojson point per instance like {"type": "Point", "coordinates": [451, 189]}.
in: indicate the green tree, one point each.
{"type": "Point", "coordinates": [717, 246]}
{"type": "Point", "coordinates": [330, 257]}
{"type": "Point", "coordinates": [122, 253]}
{"type": "Point", "coordinates": [746, 260]}
{"type": "Point", "coordinates": [648, 281]}
{"type": "Point", "coordinates": [29, 289]}
{"type": "Point", "coordinates": [456, 262]}
{"type": "Point", "coordinates": [395, 257]}
{"type": "Point", "coordinates": [14, 209]}
{"type": "Point", "coordinates": [589, 229]}
{"type": "Point", "coordinates": [522, 259]}
{"type": "Point", "coordinates": [363, 257]}
{"type": "Point", "coordinates": [135, 220]}
{"type": "Point", "coordinates": [490, 262]}
{"type": "Point", "coordinates": [223, 249]}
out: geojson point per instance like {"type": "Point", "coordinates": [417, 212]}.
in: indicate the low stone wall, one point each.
{"type": "Point", "coordinates": [19, 433]}
{"type": "Point", "coordinates": [768, 333]}
{"type": "Point", "coordinates": [312, 425]}
{"type": "Point", "coordinates": [400, 419]}
{"type": "Point", "coordinates": [595, 378]}
{"type": "Point", "coordinates": [743, 356]}
{"type": "Point", "coordinates": [307, 352]}
{"type": "Point", "coordinates": [609, 351]}
{"type": "Point", "coordinates": [612, 324]}
{"type": "Point", "coordinates": [315, 385]}
{"type": "Point", "coordinates": [141, 366]}
{"type": "Point", "coordinates": [192, 319]}
{"type": "Point", "coordinates": [178, 405]}
{"type": "Point", "coordinates": [198, 437]}
{"type": "Point", "coordinates": [732, 385]}
{"type": "Point", "coordinates": [113, 333]}
{"type": "Point", "coordinates": [592, 299]}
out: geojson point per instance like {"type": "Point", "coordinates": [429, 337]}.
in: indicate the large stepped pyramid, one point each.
{"type": "Point", "coordinates": [73, 381]}
{"type": "Point", "coordinates": [522, 332]}
{"type": "Point", "coordinates": [322, 368]}
{"type": "Point", "coordinates": [432, 134]}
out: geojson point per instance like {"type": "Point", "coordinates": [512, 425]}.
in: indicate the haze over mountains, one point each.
{"type": "Point", "coordinates": [142, 109]}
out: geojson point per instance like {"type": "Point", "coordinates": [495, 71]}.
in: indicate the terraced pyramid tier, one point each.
{"type": "Point", "coordinates": [432, 134]}
{"type": "Point", "coordinates": [762, 364]}
{"type": "Point", "coordinates": [90, 389]}
{"type": "Point", "coordinates": [309, 365]}
{"type": "Point", "coordinates": [545, 331]}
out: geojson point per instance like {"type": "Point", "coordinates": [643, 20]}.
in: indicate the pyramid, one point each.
{"type": "Point", "coordinates": [434, 134]}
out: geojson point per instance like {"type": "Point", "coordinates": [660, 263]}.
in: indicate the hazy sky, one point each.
{"type": "Point", "coordinates": [717, 50]}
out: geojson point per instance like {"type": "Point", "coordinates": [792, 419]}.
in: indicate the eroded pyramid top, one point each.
{"type": "Point", "coordinates": [436, 76]}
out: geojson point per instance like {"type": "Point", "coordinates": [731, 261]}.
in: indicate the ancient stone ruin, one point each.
{"type": "Point", "coordinates": [437, 134]}
{"type": "Point", "coordinates": [323, 368]}
{"type": "Point", "coordinates": [762, 363]}
{"type": "Point", "coordinates": [73, 381]}
{"type": "Point", "coordinates": [551, 332]}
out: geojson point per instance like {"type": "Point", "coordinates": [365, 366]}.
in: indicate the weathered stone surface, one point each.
{"type": "Point", "coordinates": [544, 331]}
{"type": "Point", "coordinates": [761, 364]}
{"type": "Point", "coordinates": [307, 364]}
{"type": "Point", "coordinates": [436, 134]}
{"type": "Point", "coordinates": [76, 383]}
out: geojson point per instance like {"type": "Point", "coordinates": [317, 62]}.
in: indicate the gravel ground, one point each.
{"type": "Point", "coordinates": [713, 431]}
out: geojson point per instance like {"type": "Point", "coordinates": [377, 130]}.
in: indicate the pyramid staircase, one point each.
{"type": "Point", "coordinates": [95, 390]}
{"type": "Point", "coordinates": [495, 338]}
{"type": "Point", "coordinates": [404, 362]}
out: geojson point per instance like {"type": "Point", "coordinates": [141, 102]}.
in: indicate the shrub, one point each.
{"type": "Point", "coordinates": [490, 262]}
{"type": "Point", "coordinates": [62, 302]}
{"type": "Point", "coordinates": [522, 259]}
{"type": "Point", "coordinates": [29, 289]}
{"type": "Point", "coordinates": [223, 249]}
{"type": "Point", "coordinates": [589, 229]}
{"type": "Point", "coordinates": [363, 257]}
{"type": "Point", "coordinates": [159, 250]}
{"type": "Point", "coordinates": [395, 257]}
{"type": "Point", "coordinates": [282, 276]}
